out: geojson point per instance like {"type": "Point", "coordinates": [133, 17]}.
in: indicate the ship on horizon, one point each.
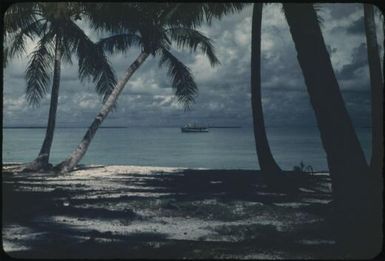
{"type": "Point", "coordinates": [193, 127]}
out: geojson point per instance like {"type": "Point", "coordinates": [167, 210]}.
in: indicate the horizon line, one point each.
{"type": "Point", "coordinates": [166, 126]}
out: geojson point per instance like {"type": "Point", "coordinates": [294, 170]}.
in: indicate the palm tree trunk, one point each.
{"type": "Point", "coordinates": [376, 83]}
{"type": "Point", "coordinates": [356, 207]}
{"type": "Point", "coordinates": [79, 152]}
{"type": "Point", "coordinates": [265, 158]}
{"type": "Point", "coordinates": [42, 161]}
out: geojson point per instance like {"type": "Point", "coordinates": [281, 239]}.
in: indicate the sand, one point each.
{"type": "Point", "coordinates": [158, 212]}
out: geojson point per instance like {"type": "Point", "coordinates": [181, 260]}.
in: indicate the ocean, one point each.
{"type": "Point", "coordinates": [220, 148]}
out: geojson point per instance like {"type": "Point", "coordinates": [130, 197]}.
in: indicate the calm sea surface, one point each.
{"type": "Point", "coordinates": [219, 148]}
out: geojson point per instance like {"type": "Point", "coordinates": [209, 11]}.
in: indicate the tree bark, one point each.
{"type": "Point", "coordinates": [376, 84]}
{"type": "Point", "coordinates": [42, 161]}
{"type": "Point", "coordinates": [265, 158]}
{"type": "Point", "coordinates": [356, 219]}
{"type": "Point", "coordinates": [70, 163]}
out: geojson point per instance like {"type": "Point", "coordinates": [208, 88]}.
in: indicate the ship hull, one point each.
{"type": "Point", "coordinates": [194, 130]}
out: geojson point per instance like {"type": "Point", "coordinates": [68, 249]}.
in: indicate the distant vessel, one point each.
{"type": "Point", "coordinates": [194, 128]}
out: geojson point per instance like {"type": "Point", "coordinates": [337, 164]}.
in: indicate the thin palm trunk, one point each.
{"type": "Point", "coordinates": [376, 83]}
{"type": "Point", "coordinates": [356, 208]}
{"type": "Point", "coordinates": [265, 158]}
{"type": "Point", "coordinates": [42, 161]}
{"type": "Point", "coordinates": [79, 152]}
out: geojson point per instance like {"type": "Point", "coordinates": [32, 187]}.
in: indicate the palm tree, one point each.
{"type": "Point", "coordinates": [153, 28]}
{"type": "Point", "coordinates": [192, 15]}
{"type": "Point", "coordinates": [268, 165]}
{"type": "Point", "coordinates": [59, 37]}
{"type": "Point", "coordinates": [355, 196]}
{"type": "Point", "coordinates": [376, 83]}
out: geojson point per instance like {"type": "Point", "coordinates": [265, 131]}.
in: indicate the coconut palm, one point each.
{"type": "Point", "coordinates": [355, 196]}
{"type": "Point", "coordinates": [58, 37]}
{"type": "Point", "coordinates": [192, 15]}
{"type": "Point", "coordinates": [154, 28]}
{"type": "Point", "coordinates": [376, 83]}
{"type": "Point", "coordinates": [268, 165]}
{"type": "Point", "coordinates": [266, 161]}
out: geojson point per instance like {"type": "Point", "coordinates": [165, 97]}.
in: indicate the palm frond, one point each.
{"type": "Point", "coordinates": [169, 13]}
{"type": "Point", "coordinates": [194, 14]}
{"type": "Point", "coordinates": [18, 39]}
{"type": "Point", "coordinates": [218, 10]}
{"type": "Point", "coordinates": [17, 45]}
{"type": "Point", "coordinates": [181, 78]}
{"type": "Point", "coordinates": [67, 51]}
{"type": "Point", "coordinates": [378, 13]}
{"type": "Point", "coordinates": [318, 10]}
{"type": "Point", "coordinates": [37, 73]}
{"type": "Point", "coordinates": [113, 17]}
{"type": "Point", "coordinates": [192, 39]}
{"type": "Point", "coordinates": [119, 42]}
{"type": "Point", "coordinates": [106, 82]}
{"type": "Point", "coordinates": [93, 63]}
{"type": "Point", "coordinates": [19, 15]}
{"type": "Point", "coordinates": [5, 56]}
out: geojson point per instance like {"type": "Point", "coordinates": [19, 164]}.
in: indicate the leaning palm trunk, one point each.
{"type": "Point", "coordinates": [357, 209]}
{"type": "Point", "coordinates": [42, 161]}
{"type": "Point", "coordinates": [265, 158]}
{"type": "Point", "coordinates": [376, 83]}
{"type": "Point", "coordinates": [79, 152]}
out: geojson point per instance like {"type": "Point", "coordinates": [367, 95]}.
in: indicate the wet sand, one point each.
{"type": "Point", "coordinates": [157, 212]}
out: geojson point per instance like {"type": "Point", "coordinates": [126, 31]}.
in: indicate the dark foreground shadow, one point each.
{"type": "Point", "coordinates": [97, 217]}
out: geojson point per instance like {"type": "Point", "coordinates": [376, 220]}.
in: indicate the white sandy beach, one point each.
{"type": "Point", "coordinates": [159, 208]}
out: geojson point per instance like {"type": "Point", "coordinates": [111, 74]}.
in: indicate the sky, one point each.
{"type": "Point", "coordinates": [224, 91]}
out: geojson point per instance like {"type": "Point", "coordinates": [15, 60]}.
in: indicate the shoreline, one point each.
{"type": "Point", "coordinates": [141, 168]}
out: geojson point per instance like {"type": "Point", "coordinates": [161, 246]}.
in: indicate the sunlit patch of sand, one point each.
{"type": "Point", "coordinates": [315, 200]}
{"type": "Point", "coordinates": [16, 237]}
{"type": "Point", "coordinates": [292, 204]}
{"type": "Point", "coordinates": [256, 256]}
{"type": "Point", "coordinates": [317, 242]}
{"type": "Point", "coordinates": [123, 169]}
{"type": "Point", "coordinates": [119, 195]}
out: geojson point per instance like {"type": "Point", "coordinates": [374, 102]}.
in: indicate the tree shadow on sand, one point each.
{"type": "Point", "coordinates": [239, 214]}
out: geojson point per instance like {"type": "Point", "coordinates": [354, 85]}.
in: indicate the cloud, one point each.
{"type": "Point", "coordinates": [224, 90]}
{"type": "Point", "coordinates": [352, 70]}
{"type": "Point", "coordinates": [357, 27]}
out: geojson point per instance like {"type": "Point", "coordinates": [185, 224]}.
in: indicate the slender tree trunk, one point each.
{"type": "Point", "coordinates": [376, 83]}
{"type": "Point", "coordinates": [42, 161]}
{"type": "Point", "coordinates": [356, 208]}
{"type": "Point", "coordinates": [265, 158]}
{"type": "Point", "coordinates": [79, 152]}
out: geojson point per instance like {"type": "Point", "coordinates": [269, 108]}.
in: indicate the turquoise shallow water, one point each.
{"type": "Point", "coordinates": [219, 148]}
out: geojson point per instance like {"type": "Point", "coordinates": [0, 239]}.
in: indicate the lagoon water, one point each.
{"type": "Point", "coordinates": [168, 147]}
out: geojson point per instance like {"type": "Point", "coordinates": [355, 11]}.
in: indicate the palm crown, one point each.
{"type": "Point", "coordinates": [155, 29]}
{"type": "Point", "coordinates": [51, 24]}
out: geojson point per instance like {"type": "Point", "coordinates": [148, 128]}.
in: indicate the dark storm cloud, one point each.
{"type": "Point", "coordinates": [340, 10]}
{"type": "Point", "coordinates": [224, 91]}
{"type": "Point", "coordinates": [360, 60]}
{"type": "Point", "coordinates": [357, 27]}
{"type": "Point", "coordinates": [358, 105]}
